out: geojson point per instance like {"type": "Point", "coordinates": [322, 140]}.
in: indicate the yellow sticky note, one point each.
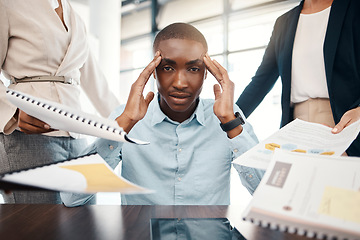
{"type": "Point", "coordinates": [100, 178]}
{"type": "Point", "coordinates": [341, 203]}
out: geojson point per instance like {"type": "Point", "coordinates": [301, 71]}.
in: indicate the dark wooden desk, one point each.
{"type": "Point", "coordinates": [111, 222]}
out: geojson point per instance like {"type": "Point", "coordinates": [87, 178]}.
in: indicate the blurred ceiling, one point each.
{"type": "Point", "coordinates": [128, 6]}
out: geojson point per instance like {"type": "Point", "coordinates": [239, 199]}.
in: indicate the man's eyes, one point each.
{"type": "Point", "coordinates": [194, 69]}
{"type": "Point", "coordinates": [167, 69]}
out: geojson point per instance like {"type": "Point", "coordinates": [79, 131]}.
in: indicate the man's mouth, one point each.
{"type": "Point", "coordinates": [179, 97]}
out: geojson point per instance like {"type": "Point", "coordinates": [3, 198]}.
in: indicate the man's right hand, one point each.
{"type": "Point", "coordinates": [137, 105]}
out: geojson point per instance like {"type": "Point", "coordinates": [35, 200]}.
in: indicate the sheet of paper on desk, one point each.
{"type": "Point", "coordinates": [300, 136]}
{"type": "Point", "coordinates": [88, 174]}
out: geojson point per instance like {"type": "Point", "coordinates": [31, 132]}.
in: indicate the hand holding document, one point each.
{"type": "Point", "coordinates": [310, 195]}
{"type": "Point", "coordinates": [300, 136]}
{"type": "Point", "coordinates": [62, 117]}
{"type": "Point", "coordinates": [88, 174]}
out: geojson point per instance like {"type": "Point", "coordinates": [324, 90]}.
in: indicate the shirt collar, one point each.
{"type": "Point", "coordinates": [158, 116]}
{"type": "Point", "coordinates": [66, 11]}
{"type": "Point", "coordinates": [54, 4]}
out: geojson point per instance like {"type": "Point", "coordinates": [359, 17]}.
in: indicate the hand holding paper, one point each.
{"type": "Point", "coordinates": [347, 119]}
{"type": "Point", "coordinates": [31, 125]}
{"type": "Point", "coordinates": [300, 136]}
{"type": "Point", "coordinates": [59, 116]}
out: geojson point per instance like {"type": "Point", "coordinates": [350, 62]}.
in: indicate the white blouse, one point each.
{"type": "Point", "coordinates": [34, 42]}
{"type": "Point", "coordinates": [308, 79]}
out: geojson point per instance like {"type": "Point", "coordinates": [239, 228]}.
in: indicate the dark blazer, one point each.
{"type": "Point", "coordinates": [341, 56]}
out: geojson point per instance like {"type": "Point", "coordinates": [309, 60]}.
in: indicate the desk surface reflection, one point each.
{"type": "Point", "coordinates": [193, 228]}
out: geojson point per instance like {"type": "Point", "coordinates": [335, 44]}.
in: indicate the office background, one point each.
{"type": "Point", "coordinates": [237, 31]}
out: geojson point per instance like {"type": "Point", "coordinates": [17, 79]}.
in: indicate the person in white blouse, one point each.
{"type": "Point", "coordinates": [44, 52]}
{"type": "Point", "coordinates": [314, 49]}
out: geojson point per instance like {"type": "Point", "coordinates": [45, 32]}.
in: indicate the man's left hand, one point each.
{"type": "Point", "coordinates": [224, 95]}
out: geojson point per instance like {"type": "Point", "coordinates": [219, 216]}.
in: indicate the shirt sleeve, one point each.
{"type": "Point", "coordinates": [250, 177]}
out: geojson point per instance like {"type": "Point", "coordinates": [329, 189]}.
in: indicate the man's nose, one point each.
{"type": "Point", "coordinates": [180, 81]}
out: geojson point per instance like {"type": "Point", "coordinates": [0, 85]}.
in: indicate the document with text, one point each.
{"type": "Point", "coordinates": [307, 194]}
{"type": "Point", "coordinates": [303, 137]}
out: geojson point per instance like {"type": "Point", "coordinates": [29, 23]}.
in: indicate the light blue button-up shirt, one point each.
{"type": "Point", "coordinates": [185, 163]}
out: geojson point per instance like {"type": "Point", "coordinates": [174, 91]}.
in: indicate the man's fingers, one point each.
{"type": "Point", "coordinates": [149, 69]}
{"type": "Point", "coordinates": [217, 91]}
{"type": "Point", "coordinates": [149, 97]}
{"type": "Point", "coordinates": [218, 71]}
{"type": "Point", "coordinates": [212, 68]}
{"type": "Point", "coordinates": [221, 68]}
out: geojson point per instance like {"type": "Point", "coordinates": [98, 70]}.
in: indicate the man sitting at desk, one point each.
{"type": "Point", "coordinates": [189, 157]}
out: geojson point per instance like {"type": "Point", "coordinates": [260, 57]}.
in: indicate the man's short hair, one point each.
{"type": "Point", "coordinates": [180, 31]}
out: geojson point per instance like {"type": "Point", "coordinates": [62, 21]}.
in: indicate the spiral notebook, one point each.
{"type": "Point", "coordinates": [312, 195]}
{"type": "Point", "coordinates": [62, 117]}
{"type": "Point", "coordinates": [86, 174]}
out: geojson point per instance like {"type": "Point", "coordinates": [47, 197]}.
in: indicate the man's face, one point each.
{"type": "Point", "coordinates": [180, 76]}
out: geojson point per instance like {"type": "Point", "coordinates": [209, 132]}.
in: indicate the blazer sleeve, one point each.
{"type": "Point", "coordinates": [7, 120]}
{"type": "Point", "coordinates": [264, 79]}
{"type": "Point", "coordinates": [94, 84]}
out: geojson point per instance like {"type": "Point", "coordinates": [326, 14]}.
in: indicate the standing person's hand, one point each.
{"type": "Point", "coordinates": [137, 105]}
{"type": "Point", "coordinates": [31, 125]}
{"type": "Point", "coordinates": [348, 118]}
{"type": "Point", "coordinates": [224, 95]}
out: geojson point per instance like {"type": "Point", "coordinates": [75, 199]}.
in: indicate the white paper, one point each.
{"type": "Point", "coordinates": [300, 136]}
{"type": "Point", "coordinates": [62, 117]}
{"type": "Point", "coordinates": [311, 193]}
{"type": "Point", "coordinates": [88, 174]}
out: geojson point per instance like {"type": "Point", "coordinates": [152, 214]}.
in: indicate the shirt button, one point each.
{"type": "Point", "coordinates": [111, 147]}
{"type": "Point", "coordinates": [179, 179]}
{"type": "Point", "coordinates": [250, 175]}
{"type": "Point", "coordinates": [236, 150]}
{"type": "Point", "coordinates": [180, 149]}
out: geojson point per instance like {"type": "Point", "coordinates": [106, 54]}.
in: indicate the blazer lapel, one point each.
{"type": "Point", "coordinates": [336, 19]}
{"type": "Point", "coordinates": [77, 50]}
{"type": "Point", "coordinates": [288, 50]}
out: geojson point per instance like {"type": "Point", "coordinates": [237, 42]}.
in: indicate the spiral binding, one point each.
{"type": "Point", "coordinates": [65, 113]}
{"type": "Point", "coordinates": [291, 229]}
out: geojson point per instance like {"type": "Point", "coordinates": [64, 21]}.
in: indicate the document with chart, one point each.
{"type": "Point", "coordinates": [312, 195]}
{"type": "Point", "coordinates": [303, 137]}
{"type": "Point", "coordinates": [87, 174]}
{"type": "Point", "coordinates": [62, 117]}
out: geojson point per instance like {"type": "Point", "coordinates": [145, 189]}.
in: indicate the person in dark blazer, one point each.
{"type": "Point", "coordinates": [336, 64]}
